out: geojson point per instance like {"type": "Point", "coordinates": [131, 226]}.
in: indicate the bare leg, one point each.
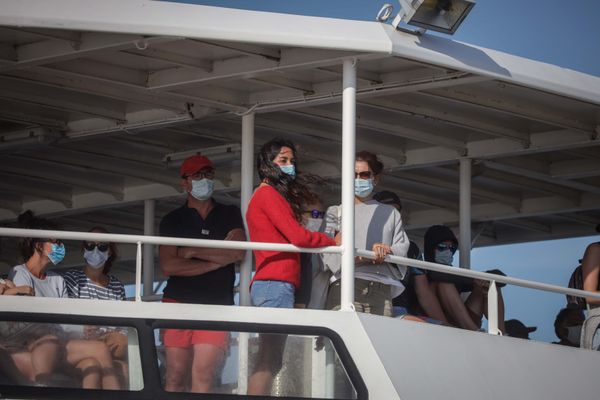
{"type": "Point", "coordinates": [91, 373]}
{"type": "Point", "coordinates": [17, 367]}
{"type": "Point", "coordinates": [268, 364]}
{"type": "Point", "coordinates": [77, 350]}
{"type": "Point", "coordinates": [178, 366]}
{"type": "Point", "coordinates": [454, 307]}
{"type": "Point", "coordinates": [44, 356]}
{"type": "Point", "coordinates": [206, 363]}
{"type": "Point", "coordinates": [478, 303]}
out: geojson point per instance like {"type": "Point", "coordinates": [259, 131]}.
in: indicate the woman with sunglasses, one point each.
{"type": "Point", "coordinates": [378, 227]}
{"type": "Point", "coordinates": [94, 281]}
{"type": "Point", "coordinates": [275, 215]}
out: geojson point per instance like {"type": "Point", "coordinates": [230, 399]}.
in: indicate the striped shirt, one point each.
{"type": "Point", "coordinates": [79, 286]}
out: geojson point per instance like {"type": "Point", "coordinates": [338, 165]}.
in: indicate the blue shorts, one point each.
{"type": "Point", "coordinates": [275, 294]}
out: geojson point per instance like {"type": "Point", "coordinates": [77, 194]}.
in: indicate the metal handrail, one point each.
{"type": "Point", "coordinates": [238, 245]}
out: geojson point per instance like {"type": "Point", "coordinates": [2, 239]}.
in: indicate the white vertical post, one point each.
{"type": "Point", "coordinates": [348, 155]}
{"type": "Point", "coordinates": [492, 310]}
{"type": "Point", "coordinates": [138, 272]}
{"type": "Point", "coordinates": [148, 270]}
{"type": "Point", "coordinates": [247, 175]}
{"type": "Point", "coordinates": [465, 213]}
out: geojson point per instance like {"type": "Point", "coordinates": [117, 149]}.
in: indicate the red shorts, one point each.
{"type": "Point", "coordinates": [185, 338]}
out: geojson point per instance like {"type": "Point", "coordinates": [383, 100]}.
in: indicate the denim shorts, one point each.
{"type": "Point", "coordinates": [275, 294]}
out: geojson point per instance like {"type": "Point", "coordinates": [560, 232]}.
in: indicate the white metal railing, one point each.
{"type": "Point", "coordinates": [236, 245]}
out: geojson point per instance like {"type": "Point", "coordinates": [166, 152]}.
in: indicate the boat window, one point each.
{"type": "Point", "coordinates": [267, 364]}
{"type": "Point", "coordinates": [56, 355]}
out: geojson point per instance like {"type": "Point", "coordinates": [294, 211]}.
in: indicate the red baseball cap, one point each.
{"type": "Point", "coordinates": [193, 164]}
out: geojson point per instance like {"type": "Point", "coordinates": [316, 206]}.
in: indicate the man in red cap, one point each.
{"type": "Point", "coordinates": [198, 275]}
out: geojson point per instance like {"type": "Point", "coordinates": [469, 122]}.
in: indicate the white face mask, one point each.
{"type": "Point", "coordinates": [574, 334]}
{"type": "Point", "coordinates": [95, 258]}
{"type": "Point", "coordinates": [313, 224]}
{"type": "Point", "coordinates": [202, 189]}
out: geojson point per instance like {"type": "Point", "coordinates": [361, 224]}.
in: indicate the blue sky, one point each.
{"type": "Point", "coordinates": [547, 31]}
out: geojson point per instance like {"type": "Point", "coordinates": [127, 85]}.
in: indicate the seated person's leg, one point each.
{"type": "Point", "coordinates": [17, 367]}
{"type": "Point", "coordinates": [454, 307]}
{"type": "Point", "coordinates": [77, 350]}
{"type": "Point", "coordinates": [44, 357]}
{"type": "Point", "coordinates": [91, 373]}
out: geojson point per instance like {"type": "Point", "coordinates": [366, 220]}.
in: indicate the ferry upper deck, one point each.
{"type": "Point", "coordinates": [100, 105]}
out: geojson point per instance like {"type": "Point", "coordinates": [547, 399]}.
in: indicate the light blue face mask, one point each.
{"type": "Point", "coordinates": [289, 169]}
{"type": "Point", "coordinates": [444, 256]}
{"type": "Point", "coordinates": [363, 187]}
{"type": "Point", "coordinates": [202, 189]}
{"type": "Point", "coordinates": [57, 254]}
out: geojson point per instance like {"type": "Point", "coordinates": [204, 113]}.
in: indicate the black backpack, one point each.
{"type": "Point", "coordinates": [576, 282]}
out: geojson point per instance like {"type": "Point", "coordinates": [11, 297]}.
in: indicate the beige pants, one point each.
{"type": "Point", "coordinates": [369, 297]}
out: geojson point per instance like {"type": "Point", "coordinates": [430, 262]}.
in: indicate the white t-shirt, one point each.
{"type": "Point", "coordinates": [52, 286]}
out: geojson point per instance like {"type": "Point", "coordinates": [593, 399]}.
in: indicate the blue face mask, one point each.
{"type": "Point", "coordinates": [289, 169]}
{"type": "Point", "coordinates": [363, 187]}
{"type": "Point", "coordinates": [444, 256]}
{"type": "Point", "coordinates": [202, 189]}
{"type": "Point", "coordinates": [57, 254]}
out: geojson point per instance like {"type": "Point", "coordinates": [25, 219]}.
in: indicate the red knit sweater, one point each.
{"type": "Point", "coordinates": [271, 219]}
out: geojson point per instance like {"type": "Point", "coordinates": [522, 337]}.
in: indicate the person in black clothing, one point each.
{"type": "Point", "coordinates": [440, 246]}
{"type": "Point", "coordinates": [198, 275]}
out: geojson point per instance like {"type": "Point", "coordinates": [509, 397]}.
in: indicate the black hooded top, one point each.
{"type": "Point", "coordinates": [435, 235]}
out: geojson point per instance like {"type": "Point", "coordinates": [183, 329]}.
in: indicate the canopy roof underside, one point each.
{"type": "Point", "coordinates": [89, 116]}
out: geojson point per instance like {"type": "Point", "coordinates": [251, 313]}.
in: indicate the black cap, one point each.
{"type": "Point", "coordinates": [516, 328]}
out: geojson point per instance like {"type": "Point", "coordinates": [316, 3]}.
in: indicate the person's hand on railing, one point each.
{"type": "Point", "coordinates": [381, 250]}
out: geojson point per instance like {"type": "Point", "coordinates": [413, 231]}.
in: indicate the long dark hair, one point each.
{"type": "Point", "coordinates": [113, 250]}
{"type": "Point", "coordinates": [293, 189]}
{"type": "Point", "coordinates": [28, 246]}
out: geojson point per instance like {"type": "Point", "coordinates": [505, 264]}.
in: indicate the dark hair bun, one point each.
{"type": "Point", "coordinates": [25, 219]}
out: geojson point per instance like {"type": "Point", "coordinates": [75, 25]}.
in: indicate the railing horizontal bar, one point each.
{"type": "Point", "coordinates": [161, 240]}
{"type": "Point", "coordinates": [480, 275]}
{"type": "Point", "coordinates": [236, 245]}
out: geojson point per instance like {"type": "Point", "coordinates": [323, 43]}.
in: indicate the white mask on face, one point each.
{"type": "Point", "coordinates": [95, 258]}
{"type": "Point", "coordinates": [313, 224]}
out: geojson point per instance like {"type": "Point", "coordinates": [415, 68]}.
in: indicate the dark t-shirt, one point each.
{"type": "Point", "coordinates": [215, 287]}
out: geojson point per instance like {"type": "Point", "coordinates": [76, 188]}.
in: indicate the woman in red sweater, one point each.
{"type": "Point", "coordinates": [274, 215]}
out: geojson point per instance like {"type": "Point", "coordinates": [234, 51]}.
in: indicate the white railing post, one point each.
{"type": "Point", "coordinates": [247, 176]}
{"type": "Point", "coordinates": [492, 298]}
{"type": "Point", "coordinates": [348, 155]}
{"type": "Point", "coordinates": [138, 272]}
{"type": "Point", "coordinates": [464, 241]}
{"type": "Point", "coordinates": [148, 270]}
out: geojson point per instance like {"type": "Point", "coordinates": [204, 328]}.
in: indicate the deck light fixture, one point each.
{"type": "Point", "coordinates": [437, 15]}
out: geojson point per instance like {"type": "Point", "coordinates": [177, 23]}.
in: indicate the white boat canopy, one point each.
{"type": "Point", "coordinates": [98, 108]}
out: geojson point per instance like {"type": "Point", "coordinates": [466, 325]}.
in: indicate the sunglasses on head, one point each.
{"type": "Point", "coordinates": [444, 246]}
{"type": "Point", "coordinates": [91, 246]}
{"type": "Point", "coordinates": [317, 213]}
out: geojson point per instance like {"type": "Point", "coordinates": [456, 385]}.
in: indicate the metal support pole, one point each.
{"type": "Point", "coordinates": [465, 213]}
{"type": "Point", "coordinates": [138, 272]}
{"type": "Point", "coordinates": [348, 155]}
{"type": "Point", "coordinates": [148, 270]}
{"type": "Point", "coordinates": [245, 194]}
{"type": "Point", "coordinates": [247, 175]}
{"type": "Point", "coordinates": [492, 297]}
